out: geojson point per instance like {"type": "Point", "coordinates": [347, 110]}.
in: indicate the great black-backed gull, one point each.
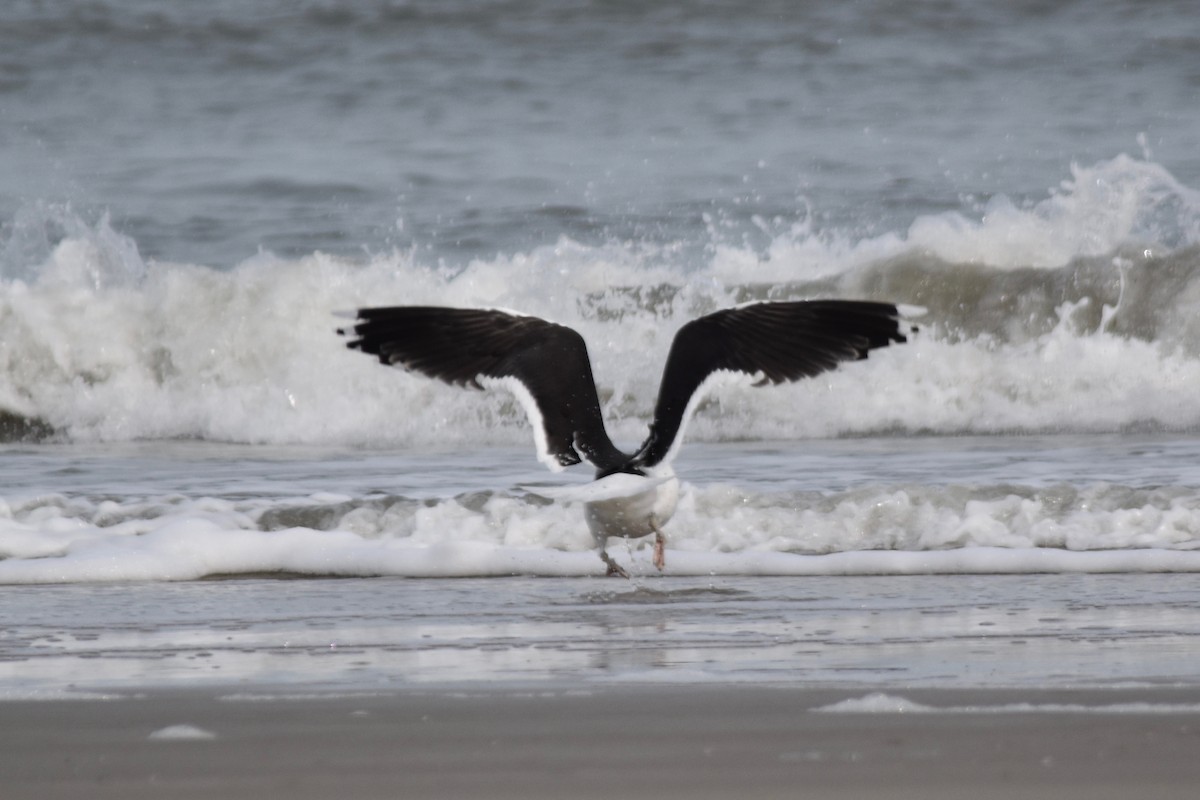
{"type": "Point", "coordinates": [546, 366]}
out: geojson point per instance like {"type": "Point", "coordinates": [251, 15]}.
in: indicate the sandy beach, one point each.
{"type": "Point", "coordinates": [668, 742]}
{"type": "Point", "coordinates": [922, 687]}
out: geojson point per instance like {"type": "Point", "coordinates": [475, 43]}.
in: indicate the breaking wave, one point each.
{"type": "Point", "coordinates": [1075, 313]}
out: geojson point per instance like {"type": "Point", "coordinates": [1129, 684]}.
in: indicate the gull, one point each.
{"type": "Point", "coordinates": [546, 366]}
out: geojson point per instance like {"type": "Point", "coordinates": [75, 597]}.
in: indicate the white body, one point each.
{"type": "Point", "coordinates": [636, 514]}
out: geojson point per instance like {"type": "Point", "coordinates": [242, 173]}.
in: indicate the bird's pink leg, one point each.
{"type": "Point", "coordinates": [660, 546]}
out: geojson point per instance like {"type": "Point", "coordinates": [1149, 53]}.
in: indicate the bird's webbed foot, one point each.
{"type": "Point", "coordinates": [614, 569]}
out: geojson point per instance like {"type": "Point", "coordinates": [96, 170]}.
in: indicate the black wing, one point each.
{"type": "Point", "coordinates": [783, 341]}
{"type": "Point", "coordinates": [460, 346]}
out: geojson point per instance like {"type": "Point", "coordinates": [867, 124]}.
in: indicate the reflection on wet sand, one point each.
{"type": "Point", "coordinates": [928, 631]}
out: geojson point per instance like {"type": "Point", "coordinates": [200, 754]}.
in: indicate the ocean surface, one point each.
{"type": "Point", "coordinates": [189, 191]}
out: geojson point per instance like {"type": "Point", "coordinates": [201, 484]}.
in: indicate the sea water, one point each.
{"type": "Point", "coordinates": [897, 505]}
{"type": "Point", "coordinates": [188, 192]}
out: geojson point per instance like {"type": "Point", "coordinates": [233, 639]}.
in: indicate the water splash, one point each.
{"type": "Point", "coordinates": [1076, 313]}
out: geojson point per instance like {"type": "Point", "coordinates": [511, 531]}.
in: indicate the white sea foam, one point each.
{"type": "Point", "coordinates": [21, 694]}
{"type": "Point", "coordinates": [101, 346]}
{"type": "Point", "coordinates": [302, 697]}
{"type": "Point", "coordinates": [717, 530]}
{"type": "Point", "coordinates": [181, 733]}
{"type": "Point", "coordinates": [875, 703]}
{"type": "Point", "coordinates": [882, 703]}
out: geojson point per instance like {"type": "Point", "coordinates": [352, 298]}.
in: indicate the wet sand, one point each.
{"type": "Point", "coordinates": [626, 742]}
{"type": "Point", "coordinates": [537, 688]}
{"type": "Point", "coordinates": [386, 634]}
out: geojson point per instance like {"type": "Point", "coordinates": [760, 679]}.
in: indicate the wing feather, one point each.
{"type": "Point", "coordinates": [465, 346]}
{"type": "Point", "coordinates": [781, 341]}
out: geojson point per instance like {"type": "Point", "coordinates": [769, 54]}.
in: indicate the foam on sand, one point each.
{"type": "Point", "coordinates": [883, 703]}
